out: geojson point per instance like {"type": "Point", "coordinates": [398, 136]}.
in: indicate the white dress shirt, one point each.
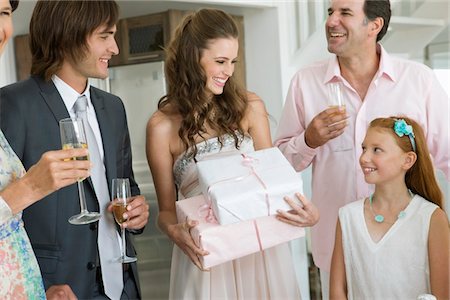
{"type": "Point", "coordinates": [69, 96]}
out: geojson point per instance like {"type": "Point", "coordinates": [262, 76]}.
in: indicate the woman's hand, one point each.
{"type": "Point", "coordinates": [305, 215]}
{"type": "Point", "coordinates": [55, 170]}
{"type": "Point", "coordinates": [181, 235]}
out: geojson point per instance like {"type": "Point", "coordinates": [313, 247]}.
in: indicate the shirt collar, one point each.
{"type": "Point", "coordinates": [333, 70]}
{"type": "Point", "coordinates": [385, 67]}
{"type": "Point", "coordinates": [68, 94]}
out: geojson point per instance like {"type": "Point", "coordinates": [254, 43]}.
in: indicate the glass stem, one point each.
{"type": "Point", "coordinates": [82, 197]}
{"type": "Point", "coordinates": [124, 249]}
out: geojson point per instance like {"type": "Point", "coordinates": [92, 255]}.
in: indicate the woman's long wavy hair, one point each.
{"type": "Point", "coordinates": [187, 80]}
{"type": "Point", "coordinates": [420, 178]}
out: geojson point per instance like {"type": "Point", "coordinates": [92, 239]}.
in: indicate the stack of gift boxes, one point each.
{"type": "Point", "coordinates": [241, 196]}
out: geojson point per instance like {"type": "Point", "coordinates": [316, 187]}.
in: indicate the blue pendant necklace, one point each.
{"type": "Point", "coordinates": [379, 218]}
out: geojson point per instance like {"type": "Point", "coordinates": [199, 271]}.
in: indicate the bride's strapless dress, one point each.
{"type": "Point", "coordinates": [263, 275]}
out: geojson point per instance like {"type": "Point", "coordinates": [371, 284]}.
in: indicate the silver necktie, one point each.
{"type": "Point", "coordinates": [108, 245]}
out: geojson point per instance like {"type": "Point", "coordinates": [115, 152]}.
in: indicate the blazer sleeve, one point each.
{"type": "Point", "coordinates": [127, 160]}
{"type": "Point", "coordinates": [12, 122]}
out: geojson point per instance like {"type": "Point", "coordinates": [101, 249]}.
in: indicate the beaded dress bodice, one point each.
{"type": "Point", "coordinates": [185, 171]}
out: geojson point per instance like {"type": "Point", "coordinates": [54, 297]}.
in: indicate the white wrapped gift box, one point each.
{"type": "Point", "coordinates": [247, 186]}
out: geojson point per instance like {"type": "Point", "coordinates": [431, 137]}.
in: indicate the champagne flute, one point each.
{"type": "Point", "coordinates": [121, 195]}
{"type": "Point", "coordinates": [336, 100]}
{"type": "Point", "coordinates": [73, 136]}
{"type": "Point", "coordinates": [335, 94]}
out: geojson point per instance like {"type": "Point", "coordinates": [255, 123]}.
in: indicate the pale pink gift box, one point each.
{"type": "Point", "coordinates": [247, 186]}
{"type": "Point", "coordinates": [228, 242]}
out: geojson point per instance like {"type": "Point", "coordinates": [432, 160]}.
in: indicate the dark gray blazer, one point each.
{"type": "Point", "coordinates": [29, 113]}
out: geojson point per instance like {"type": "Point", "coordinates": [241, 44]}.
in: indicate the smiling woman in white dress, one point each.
{"type": "Point", "coordinates": [206, 113]}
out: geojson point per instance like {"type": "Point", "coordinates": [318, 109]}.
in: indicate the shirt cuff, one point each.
{"type": "Point", "coordinates": [5, 211]}
{"type": "Point", "coordinates": [307, 152]}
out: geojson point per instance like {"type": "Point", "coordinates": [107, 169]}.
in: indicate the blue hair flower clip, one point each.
{"type": "Point", "coordinates": [401, 128]}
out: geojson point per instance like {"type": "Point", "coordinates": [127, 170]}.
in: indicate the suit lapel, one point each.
{"type": "Point", "coordinates": [53, 99]}
{"type": "Point", "coordinates": [105, 125]}
{"type": "Point", "coordinates": [56, 104]}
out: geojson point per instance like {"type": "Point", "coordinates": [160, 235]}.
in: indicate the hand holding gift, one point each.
{"type": "Point", "coordinates": [220, 240]}
{"type": "Point", "coordinates": [304, 215]}
{"type": "Point", "coordinates": [241, 196]}
{"type": "Point", "coordinates": [181, 235]}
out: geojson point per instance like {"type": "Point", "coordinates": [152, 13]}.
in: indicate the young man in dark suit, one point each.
{"type": "Point", "coordinates": [70, 42]}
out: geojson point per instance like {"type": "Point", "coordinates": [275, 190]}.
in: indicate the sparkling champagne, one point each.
{"type": "Point", "coordinates": [119, 209]}
{"type": "Point", "coordinates": [74, 146]}
{"type": "Point", "coordinates": [337, 106]}
{"type": "Point", "coordinates": [73, 136]}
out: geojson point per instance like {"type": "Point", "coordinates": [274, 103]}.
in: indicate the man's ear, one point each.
{"type": "Point", "coordinates": [376, 25]}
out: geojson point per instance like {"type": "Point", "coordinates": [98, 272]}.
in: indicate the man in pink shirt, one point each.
{"type": "Point", "coordinates": [375, 85]}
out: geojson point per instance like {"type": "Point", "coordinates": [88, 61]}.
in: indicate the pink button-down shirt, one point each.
{"type": "Point", "coordinates": [400, 87]}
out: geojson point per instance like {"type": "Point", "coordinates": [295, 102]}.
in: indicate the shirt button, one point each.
{"type": "Point", "coordinates": [93, 226]}
{"type": "Point", "coordinates": [91, 266]}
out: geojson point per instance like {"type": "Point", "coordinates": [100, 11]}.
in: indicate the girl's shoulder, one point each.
{"type": "Point", "coordinates": [353, 205]}
{"type": "Point", "coordinates": [166, 114]}
{"type": "Point", "coordinates": [254, 101]}
{"type": "Point", "coordinates": [424, 203]}
{"type": "Point", "coordinates": [256, 122]}
{"type": "Point", "coordinates": [255, 104]}
{"type": "Point", "coordinates": [351, 209]}
{"type": "Point", "coordinates": [251, 96]}
{"type": "Point", "coordinates": [164, 122]}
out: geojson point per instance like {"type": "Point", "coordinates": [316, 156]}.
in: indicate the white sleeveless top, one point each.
{"type": "Point", "coordinates": [396, 267]}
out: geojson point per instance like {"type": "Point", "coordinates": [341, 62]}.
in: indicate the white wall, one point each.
{"type": "Point", "coordinates": [264, 71]}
